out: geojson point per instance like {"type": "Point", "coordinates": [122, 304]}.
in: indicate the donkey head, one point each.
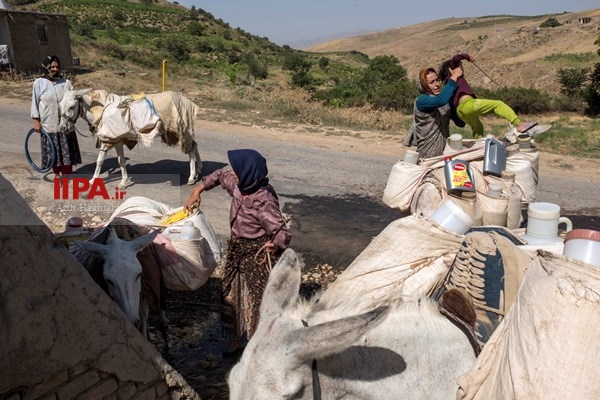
{"type": "Point", "coordinates": [122, 271]}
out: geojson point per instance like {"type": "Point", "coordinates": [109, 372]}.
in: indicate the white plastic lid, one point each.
{"type": "Point", "coordinates": [543, 210]}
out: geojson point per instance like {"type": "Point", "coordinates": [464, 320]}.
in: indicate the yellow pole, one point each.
{"type": "Point", "coordinates": [164, 74]}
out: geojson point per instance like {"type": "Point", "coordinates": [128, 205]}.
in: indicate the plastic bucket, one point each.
{"type": "Point", "coordinates": [583, 245]}
{"type": "Point", "coordinates": [451, 217]}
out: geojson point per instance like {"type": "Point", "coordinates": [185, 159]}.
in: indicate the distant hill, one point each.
{"type": "Point", "coordinates": [512, 50]}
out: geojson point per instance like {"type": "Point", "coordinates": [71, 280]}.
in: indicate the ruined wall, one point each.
{"type": "Point", "coordinates": [61, 337]}
{"type": "Point", "coordinates": [27, 51]}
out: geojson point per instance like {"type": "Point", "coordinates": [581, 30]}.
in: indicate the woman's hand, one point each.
{"type": "Point", "coordinates": [37, 125]}
{"type": "Point", "coordinates": [194, 200]}
{"type": "Point", "coordinates": [456, 73]}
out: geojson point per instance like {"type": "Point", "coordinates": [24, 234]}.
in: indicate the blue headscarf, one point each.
{"type": "Point", "coordinates": [251, 169]}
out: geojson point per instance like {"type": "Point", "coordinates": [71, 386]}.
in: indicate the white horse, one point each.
{"type": "Point", "coordinates": [174, 125]}
{"type": "Point", "coordinates": [117, 270]}
{"type": "Point", "coordinates": [303, 350]}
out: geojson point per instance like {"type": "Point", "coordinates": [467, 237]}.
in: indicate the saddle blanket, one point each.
{"type": "Point", "coordinates": [127, 119]}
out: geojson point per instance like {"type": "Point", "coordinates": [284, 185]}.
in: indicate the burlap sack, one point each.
{"type": "Point", "coordinates": [403, 181]}
{"type": "Point", "coordinates": [408, 259]}
{"type": "Point", "coordinates": [548, 344]}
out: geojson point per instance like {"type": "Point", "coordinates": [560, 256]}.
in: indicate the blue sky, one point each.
{"type": "Point", "coordinates": [288, 22]}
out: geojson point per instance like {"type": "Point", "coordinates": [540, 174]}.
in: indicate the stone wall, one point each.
{"type": "Point", "coordinates": [61, 336]}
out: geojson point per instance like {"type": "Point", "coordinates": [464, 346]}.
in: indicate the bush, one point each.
{"type": "Point", "coordinates": [521, 100]}
{"type": "Point", "coordinates": [550, 23]}
{"type": "Point", "coordinates": [195, 29]}
{"type": "Point", "coordinates": [178, 50]}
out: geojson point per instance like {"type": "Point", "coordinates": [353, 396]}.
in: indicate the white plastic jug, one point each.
{"type": "Point", "coordinates": [543, 220]}
{"type": "Point", "coordinates": [451, 217]}
{"type": "Point", "coordinates": [187, 231]}
{"type": "Point", "coordinates": [411, 157]}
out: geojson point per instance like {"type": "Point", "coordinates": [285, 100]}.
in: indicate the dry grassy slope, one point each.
{"type": "Point", "coordinates": [512, 53]}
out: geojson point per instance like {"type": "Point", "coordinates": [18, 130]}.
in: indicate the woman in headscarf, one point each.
{"type": "Point", "coordinates": [258, 237]}
{"type": "Point", "coordinates": [48, 91]}
{"type": "Point", "coordinates": [431, 123]}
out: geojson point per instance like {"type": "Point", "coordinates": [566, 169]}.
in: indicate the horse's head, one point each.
{"type": "Point", "coordinates": [122, 271]}
{"type": "Point", "coordinates": [70, 109]}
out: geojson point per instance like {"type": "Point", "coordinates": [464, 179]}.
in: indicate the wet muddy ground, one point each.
{"type": "Point", "coordinates": [328, 232]}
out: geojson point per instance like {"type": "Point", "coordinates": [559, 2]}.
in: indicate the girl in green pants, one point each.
{"type": "Point", "coordinates": [469, 107]}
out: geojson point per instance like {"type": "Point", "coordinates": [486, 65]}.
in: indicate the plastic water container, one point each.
{"type": "Point", "coordinates": [451, 217]}
{"type": "Point", "coordinates": [494, 157]}
{"type": "Point", "coordinates": [187, 231]}
{"type": "Point", "coordinates": [543, 220]}
{"type": "Point", "coordinates": [471, 206]}
{"type": "Point", "coordinates": [455, 141]}
{"type": "Point", "coordinates": [583, 245]}
{"type": "Point", "coordinates": [524, 141]}
{"type": "Point", "coordinates": [411, 157]}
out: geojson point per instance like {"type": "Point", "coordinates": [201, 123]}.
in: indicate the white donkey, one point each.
{"type": "Point", "coordinates": [173, 121]}
{"type": "Point", "coordinates": [303, 350]}
{"type": "Point", "coordinates": [120, 272]}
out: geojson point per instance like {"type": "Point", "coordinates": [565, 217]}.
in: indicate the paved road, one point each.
{"type": "Point", "coordinates": [332, 196]}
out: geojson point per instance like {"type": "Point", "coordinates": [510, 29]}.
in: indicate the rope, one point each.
{"type": "Point", "coordinates": [266, 257]}
{"type": "Point", "coordinates": [43, 168]}
{"type": "Point", "coordinates": [485, 73]}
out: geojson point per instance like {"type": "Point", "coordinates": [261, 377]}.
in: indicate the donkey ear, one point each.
{"type": "Point", "coordinates": [332, 337]}
{"type": "Point", "coordinates": [143, 241]}
{"type": "Point", "coordinates": [283, 285]}
{"type": "Point", "coordinates": [97, 249]}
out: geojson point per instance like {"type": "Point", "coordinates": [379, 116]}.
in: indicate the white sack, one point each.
{"type": "Point", "coordinates": [410, 248]}
{"type": "Point", "coordinates": [403, 181]}
{"type": "Point", "coordinates": [193, 261]}
{"type": "Point", "coordinates": [548, 344]}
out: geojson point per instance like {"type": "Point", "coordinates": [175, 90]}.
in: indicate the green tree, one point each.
{"type": "Point", "coordinates": [385, 84]}
{"type": "Point", "coordinates": [573, 82]}
{"type": "Point", "coordinates": [592, 94]}
{"type": "Point", "coordinates": [299, 64]}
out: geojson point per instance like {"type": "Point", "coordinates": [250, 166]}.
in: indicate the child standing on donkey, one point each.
{"type": "Point", "coordinates": [468, 107]}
